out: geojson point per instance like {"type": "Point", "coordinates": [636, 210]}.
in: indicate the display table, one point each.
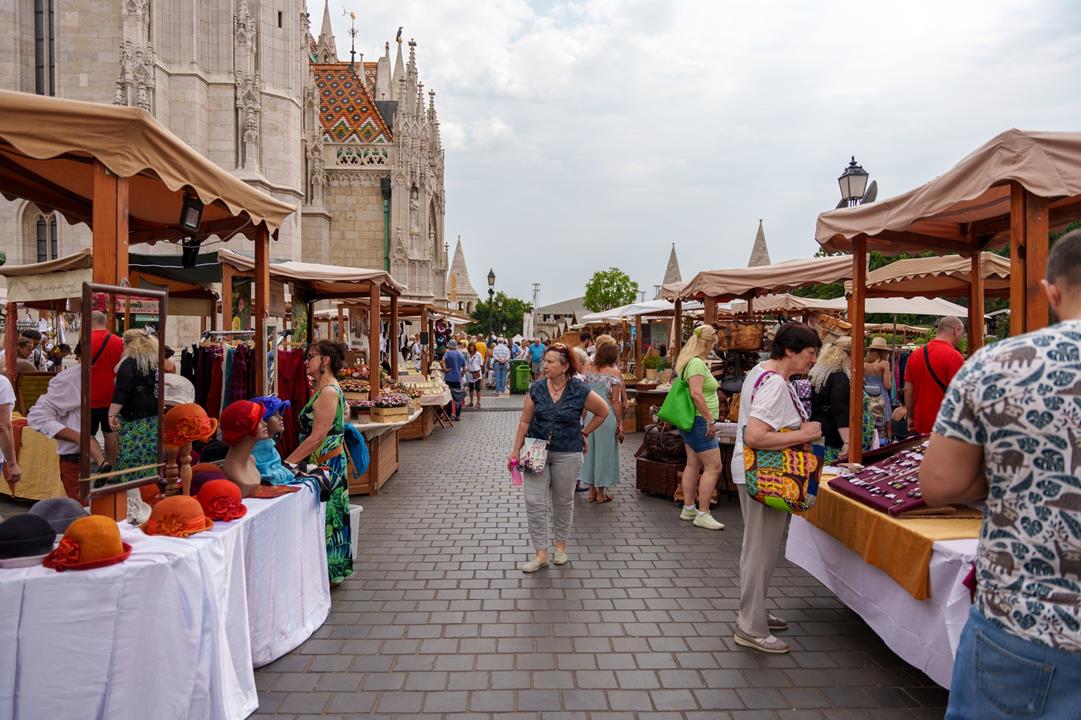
{"type": "Point", "coordinates": [383, 450]}
{"type": "Point", "coordinates": [924, 633]}
{"type": "Point", "coordinates": [424, 425]}
{"type": "Point", "coordinates": [175, 630]}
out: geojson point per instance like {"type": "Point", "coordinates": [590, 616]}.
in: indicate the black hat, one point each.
{"type": "Point", "coordinates": [59, 512]}
{"type": "Point", "coordinates": [25, 540]}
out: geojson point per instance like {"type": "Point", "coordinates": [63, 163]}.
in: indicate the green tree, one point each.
{"type": "Point", "coordinates": [608, 289]}
{"type": "Point", "coordinates": [506, 314]}
{"type": "Point", "coordinates": [3, 257]}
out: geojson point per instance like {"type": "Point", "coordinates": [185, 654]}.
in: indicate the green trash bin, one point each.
{"type": "Point", "coordinates": [520, 376]}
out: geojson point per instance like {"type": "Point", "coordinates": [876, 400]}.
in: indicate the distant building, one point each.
{"type": "Point", "coordinates": [671, 272]}
{"type": "Point", "coordinates": [460, 290]}
{"type": "Point", "coordinates": [555, 319]}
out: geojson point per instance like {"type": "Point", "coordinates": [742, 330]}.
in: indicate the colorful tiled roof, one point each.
{"type": "Point", "coordinates": [346, 109]}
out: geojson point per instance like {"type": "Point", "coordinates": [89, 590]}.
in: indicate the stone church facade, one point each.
{"type": "Point", "coordinates": [354, 146]}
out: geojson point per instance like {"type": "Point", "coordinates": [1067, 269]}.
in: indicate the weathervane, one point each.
{"type": "Point", "coordinates": [353, 42]}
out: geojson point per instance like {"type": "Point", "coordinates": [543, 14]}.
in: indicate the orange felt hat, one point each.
{"type": "Point", "coordinates": [239, 419]}
{"type": "Point", "coordinates": [89, 542]}
{"type": "Point", "coordinates": [185, 423]}
{"type": "Point", "coordinates": [221, 500]}
{"type": "Point", "coordinates": [177, 516]}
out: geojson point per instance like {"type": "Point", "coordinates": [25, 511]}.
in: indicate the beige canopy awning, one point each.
{"type": "Point", "coordinates": [57, 279]}
{"type": "Point", "coordinates": [945, 276]}
{"type": "Point", "coordinates": [47, 151]}
{"type": "Point", "coordinates": [755, 281]}
{"type": "Point", "coordinates": [969, 205]}
{"type": "Point", "coordinates": [328, 281]}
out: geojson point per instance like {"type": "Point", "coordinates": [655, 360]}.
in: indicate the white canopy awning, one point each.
{"type": "Point", "coordinates": [935, 307]}
{"type": "Point", "coordinates": [649, 307]}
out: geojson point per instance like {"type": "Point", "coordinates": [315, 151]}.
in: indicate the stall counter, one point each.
{"type": "Point", "coordinates": [383, 441]}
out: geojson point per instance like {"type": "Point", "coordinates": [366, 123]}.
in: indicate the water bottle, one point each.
{"type": "Point", "coordinates": [515, 473]}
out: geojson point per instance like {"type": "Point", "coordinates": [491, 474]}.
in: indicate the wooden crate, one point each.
{"type": "Point", "coordinates": [383, 451]}
{"type": "Point", "coordinates": [387, 415]}
{"type": "Point", "coordinates": [420, 428]}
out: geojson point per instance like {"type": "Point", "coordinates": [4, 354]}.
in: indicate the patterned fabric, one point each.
{"type": "Point", "coordinates": [1020, 399]}
{"type": "Point", "coordinates": [601, 464]}
{"type": "Point", "coordinates": [339, 559]}
{"type": "Point", "coordinates": [137, 444]}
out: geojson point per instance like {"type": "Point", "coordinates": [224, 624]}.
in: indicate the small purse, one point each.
{"type": "Point", "coordinates": [534, 455]}
{"type": "Point", "coordinates": [784, 479]}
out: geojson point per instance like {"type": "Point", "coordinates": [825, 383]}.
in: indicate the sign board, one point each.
{"type": "Point", "coordinates": [48, 286]}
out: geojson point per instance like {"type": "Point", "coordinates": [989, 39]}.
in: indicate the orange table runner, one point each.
{"type": "Point", "coordinates": [900, 547]}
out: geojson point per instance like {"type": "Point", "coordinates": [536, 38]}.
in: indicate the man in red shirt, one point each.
{"type": "Point", "coordinates": [928, 373]}
{"type": "Point", "coordinates": [105, 351]}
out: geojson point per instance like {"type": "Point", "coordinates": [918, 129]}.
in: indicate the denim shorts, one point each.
{"type": "Point", "coordinates": [696, 436]}
{"type": "Point", "coordinates": [997, 674]}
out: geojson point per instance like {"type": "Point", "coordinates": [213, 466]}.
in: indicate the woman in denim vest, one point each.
{"type": "Point", "coordinates": [553, 412]}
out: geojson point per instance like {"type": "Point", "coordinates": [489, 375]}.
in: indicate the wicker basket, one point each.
{"type": "Point", "coordinates": [746, 336]}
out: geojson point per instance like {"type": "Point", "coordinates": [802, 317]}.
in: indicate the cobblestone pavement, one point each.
{"type": "Point", "coordinates": [438, 621]}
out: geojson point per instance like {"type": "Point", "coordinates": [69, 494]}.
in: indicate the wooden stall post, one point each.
{"type": "Point", "coordinates": [341, 323]}
{"type": "Point", "coordinates": [373, 341]}
{"type": "Point", "coordinates": [1036, 249]}
{"type": "Point", "coordinates": [226, 296]}
{"type": "Point", "coordinates": [110, 218]}
{"type": "Point", "coordinates": [392, 341]}
{"type": "Point", "coordinates": [262, 287]}
{"type": "Point", "coordinates": [677, 328]}
{"type": "Point", "coordinates": [638, 346]}
{"type": "Point", "coordinates": [11, 341]}
{"type": "Point", "coordinates": [975, 304]}
{"type": "Point", "coordinates": [859, 292]}
{"type": "Point", "coordinates": [710, 314]}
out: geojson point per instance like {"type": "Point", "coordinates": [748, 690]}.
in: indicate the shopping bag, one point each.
{"type": "Point", "coordinates": [678, 409]}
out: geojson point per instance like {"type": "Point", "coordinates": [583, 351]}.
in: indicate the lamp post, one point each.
{"type": "Point", "coordinates": [853, 183]}
{"type": "Point", "coordinates": [491, 296]}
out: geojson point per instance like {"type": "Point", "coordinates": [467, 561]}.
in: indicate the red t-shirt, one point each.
{"type": "Point", "coordinates": [927, 395]}
{"type": "Point", "coordinates": [103, 370]}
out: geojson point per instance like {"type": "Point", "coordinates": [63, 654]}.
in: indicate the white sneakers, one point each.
{"type": "Point", "coordinates": [707, 521]}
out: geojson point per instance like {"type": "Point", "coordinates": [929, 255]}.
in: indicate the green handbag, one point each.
{"type": "Point", "coordinates": [678, 409]}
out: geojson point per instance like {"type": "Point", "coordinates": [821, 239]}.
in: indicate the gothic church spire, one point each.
{"type": "Point", "coordinates": [759, 253]}
{"type": "Point", "coordinates": [326, 50]}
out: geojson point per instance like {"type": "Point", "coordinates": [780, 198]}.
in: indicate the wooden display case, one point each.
{"type": "Point", "coordinates": [420, 428]}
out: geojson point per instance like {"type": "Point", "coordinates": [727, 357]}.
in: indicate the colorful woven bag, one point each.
{"type": "Point", "coordinates": [785, 479]}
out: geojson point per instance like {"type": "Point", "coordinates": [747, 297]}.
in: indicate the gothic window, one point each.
{"type": "Point", "coordinates": [44, 48]}
{"type": "Point", "coordinates": [45, 232]}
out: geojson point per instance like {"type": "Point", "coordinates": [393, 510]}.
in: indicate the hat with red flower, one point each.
{"type": "Point", "coordinates": [221, 500]}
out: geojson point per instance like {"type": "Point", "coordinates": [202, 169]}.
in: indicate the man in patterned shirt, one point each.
{"type": "Point", "coordinates": [1009, 430]}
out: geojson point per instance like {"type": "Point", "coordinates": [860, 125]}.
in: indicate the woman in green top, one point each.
{"type": "Point", "coordinates": [703, 451]}
{"type": "Point", "coordinates": [322, 427]}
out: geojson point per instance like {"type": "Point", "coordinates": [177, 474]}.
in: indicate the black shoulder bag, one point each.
{"type": "Point", "coordinates": [934, 376]}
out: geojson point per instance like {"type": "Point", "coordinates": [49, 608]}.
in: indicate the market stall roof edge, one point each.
{"type": "Point", "coordinates": [761, 280]}
{"type": "Point", "coordinates": [49, 148]}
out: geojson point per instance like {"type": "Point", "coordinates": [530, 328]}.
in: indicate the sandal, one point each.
{"type": "Point", "coordinates": [606, 498]}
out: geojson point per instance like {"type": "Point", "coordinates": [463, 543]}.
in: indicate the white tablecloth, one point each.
{"type": "Point", "coordinates": [923, 633]}
{"type": "Point", "coordinates": [174, 631]}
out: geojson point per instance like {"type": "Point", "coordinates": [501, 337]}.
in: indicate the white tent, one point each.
{"type": "Point", "coordinates": [649, 307]}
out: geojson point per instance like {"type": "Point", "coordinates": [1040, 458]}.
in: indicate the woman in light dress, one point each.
{"type": "Point", "coordinates": [600, 468]}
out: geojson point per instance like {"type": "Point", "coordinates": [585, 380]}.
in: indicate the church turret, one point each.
{"type": "Point", "coordinates": [326, 50]}
{"type": "Point", "coordinates": [671, 271]}
{"type": "Point", "coordinates": [433, 124]}
{"type": "Point", "coordinates": [382, 76]}
{"type": "Point", "coordinates": [399, 72]}
{"type": "Point", "coordinates": [759, 253]}
{"type": "Point", "coordinates": [461, 290]}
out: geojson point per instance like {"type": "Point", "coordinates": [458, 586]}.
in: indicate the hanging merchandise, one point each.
{"type": "Point", "coordinates": [292, 386]}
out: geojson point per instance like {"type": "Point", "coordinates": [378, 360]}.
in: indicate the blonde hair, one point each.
{"type": "Point", "coordinates": [143, 348]}
{"type": "Point", "coordinates": [876, 355]}
{"type": "Point", "coordinates": [698, 345]}
{"type": "Point", "coordinates": [604, 340]}
{"type": "Point", "coordinates": [583, 358]}
{"type": "Point", "coordinates": [833, 358]}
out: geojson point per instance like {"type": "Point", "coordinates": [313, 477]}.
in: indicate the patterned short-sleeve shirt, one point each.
{"type": "Point", "coordinates": [1020, 399]}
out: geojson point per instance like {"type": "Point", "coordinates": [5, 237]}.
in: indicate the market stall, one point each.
{"type": "Point", "coordinates": [1016, 188]}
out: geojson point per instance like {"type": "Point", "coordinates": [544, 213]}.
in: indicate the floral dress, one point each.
{"type": "Point", "coordinates": [332, 454]}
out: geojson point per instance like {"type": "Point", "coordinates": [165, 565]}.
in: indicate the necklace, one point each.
{"type": "Point", "coordinates": [556, 392]}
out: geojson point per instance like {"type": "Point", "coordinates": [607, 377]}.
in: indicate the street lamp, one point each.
{"type": "Point", "coordinates": [853, 183]}
{"type": "Point", "coordinates": [491, 296]}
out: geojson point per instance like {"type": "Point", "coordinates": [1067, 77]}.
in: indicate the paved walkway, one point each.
{"type": "Point", "coordinates": [438, 622]}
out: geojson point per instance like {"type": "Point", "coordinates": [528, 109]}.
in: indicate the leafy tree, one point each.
{"type": "Point", "coordinates": [506, 313]}
{"type": "Point", "coordinates": [608, 289]}
{"type": "Point", "coordinates": [3, 257]}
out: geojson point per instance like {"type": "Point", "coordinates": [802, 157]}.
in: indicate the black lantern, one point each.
{"type": "Point", "coordinates": [853, 183]}
{"type": "Point", "coordinates": [191, 214]}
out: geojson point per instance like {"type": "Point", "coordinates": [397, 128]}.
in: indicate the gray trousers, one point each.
{"type": "Point", "coordinates": [763, 532]}
{"type": "Point", "coordinates": [559, 477]}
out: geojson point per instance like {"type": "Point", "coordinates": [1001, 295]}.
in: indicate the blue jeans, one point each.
{"type": "Point", "coordinates": [501, 370]}
{"type": "Point", "coordinates": [997, 674]}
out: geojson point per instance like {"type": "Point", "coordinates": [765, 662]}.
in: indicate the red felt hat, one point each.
{"type": "Point", "coordinates": [89, 542]}
{"type": "Point", "coordinates": [177, 516]}
{"type": "Point", "coordinates": [239, 420]}
{"type": "Point", "coordinates": [221, 500]}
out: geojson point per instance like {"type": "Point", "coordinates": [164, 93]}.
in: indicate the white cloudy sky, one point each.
{"type": "Point", "coordinates": [584, 134]}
